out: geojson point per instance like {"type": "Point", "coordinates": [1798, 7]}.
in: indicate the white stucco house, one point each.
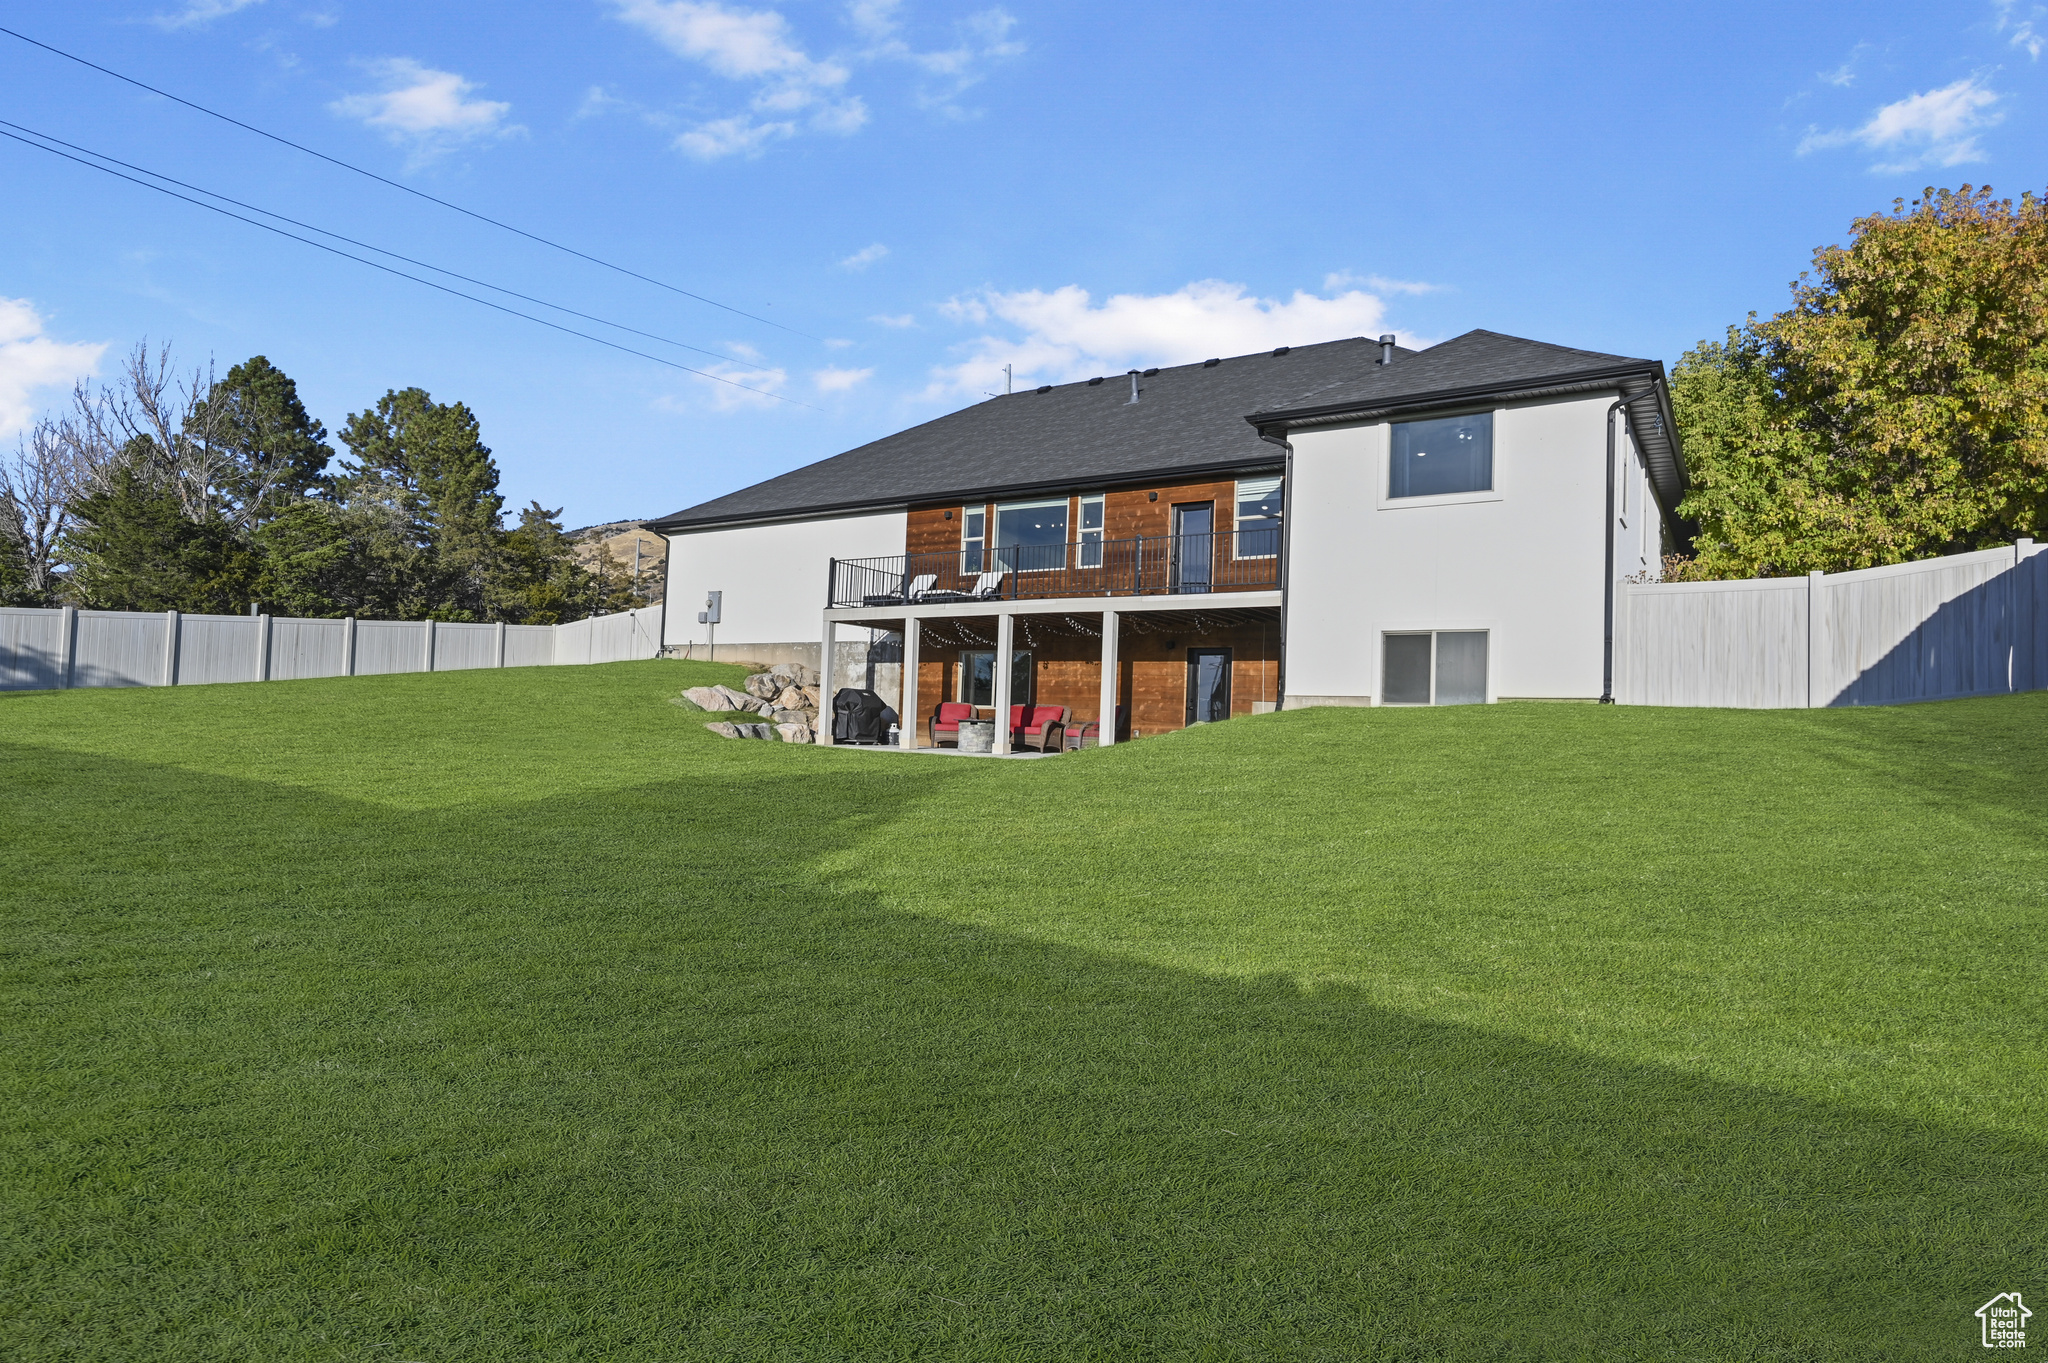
{"type": "Point", "coordinates": [1348, 523]}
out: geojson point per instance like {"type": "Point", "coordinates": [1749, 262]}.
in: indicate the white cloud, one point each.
{"type": "Point", "coordinates": [1344, 279]}
{"type": "Point", "coordinates": [864, 257]}
{"type": "Point", "coordinates": [978, 39]}
{"type": "Point", "coordinates": [30, 360]}
{"type": "Point", "coordinates": [793, 90]}
{"type": "Point", "coordinates": [1936, 128]}
{"type": "Point", "coordinates": [754, 46]}
{"type": "Point", "coordinates": [832, 379]}
{"type": "Point", "coordinates": [737, 136]}
{"type": "Point", "coordinates": [202, 12]}
{"type": "Point", "coordinates": [1063, 334]}
{"type": "Point", "coordinates": [427, 110]}
{"type": "Point", "coordinates": [907, 319]}
{"type": "Point", "coordinates": [761, 385]}
{"type": "Point", "coordinates": [2024, 35]}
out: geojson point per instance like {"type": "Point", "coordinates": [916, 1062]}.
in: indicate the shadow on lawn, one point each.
{"type": "Point", "coordinates": [618, 1079]}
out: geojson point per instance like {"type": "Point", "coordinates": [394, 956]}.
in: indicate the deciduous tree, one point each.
{"type": "Point", "coordinates": [1898, 410]}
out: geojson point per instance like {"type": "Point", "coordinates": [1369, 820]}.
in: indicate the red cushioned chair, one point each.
{"type": "Point", "coordinates": [1078, 736]}
{"type": "Point", "coordinates": [944, 724]}
{"type": "Point", "coordinates": [1043, 727]}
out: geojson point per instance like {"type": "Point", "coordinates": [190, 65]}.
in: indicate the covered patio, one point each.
{"type": "Point", "coordinates": [1163, 661]}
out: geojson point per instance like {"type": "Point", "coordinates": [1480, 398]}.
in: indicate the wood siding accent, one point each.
{"type": "Point", "coordinates": [1128, 513]}
{"type": "Point", "coordinates": [1153, 680]}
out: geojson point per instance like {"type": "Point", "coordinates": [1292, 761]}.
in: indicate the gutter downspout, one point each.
{"type": "Point", "coordinates": [1607, 640]}
{"type": "Point", "coordinates": [668, 561]}
{"type": "Point", "coordinates": [1286, 556]}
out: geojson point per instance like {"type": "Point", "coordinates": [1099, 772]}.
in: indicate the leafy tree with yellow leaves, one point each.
{"type": "Point", "coordinates": [1898, 410]}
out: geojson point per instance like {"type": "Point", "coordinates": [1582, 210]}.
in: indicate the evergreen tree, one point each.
{"type": "Point", "coordinates": [425, 465]}
{"type": "Point", "coordinates": [134, 549]}
{"type": "Point", "coordinates": [280, 453]}
{"type": "Point", "coordinates": [14, 589]}
{"type": "Point", "coordinates": [541, 580]}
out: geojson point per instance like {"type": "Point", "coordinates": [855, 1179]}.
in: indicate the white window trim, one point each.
{"type": "Point", "coordinates": [1066, 502]}
{"type": "Point", "coordinates": [1379, 661]}
{"type": "Point", "coordinates": [966, 539]}
{"type": "Point", "coordinates": [1077, 513]}
{"type": "Point", "coordinates": [1385, 461]}
{"type": "Point", "coordinates": [1237, 521]}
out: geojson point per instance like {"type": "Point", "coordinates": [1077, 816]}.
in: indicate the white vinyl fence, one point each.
{"type": "Point", "coordinates": [49, 649]}
{"type": "Point", "coordinates": [1965, 625]}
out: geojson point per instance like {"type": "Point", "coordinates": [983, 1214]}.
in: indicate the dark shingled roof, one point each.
{"type": "Point", "coordinates": [1189, 420]}
{"type": "Point", "coordinates": [1487, 365]}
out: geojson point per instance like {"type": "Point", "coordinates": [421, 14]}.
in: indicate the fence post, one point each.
{"type": "Point", "coordinates": [348, 647]}
{"type": "Point", "coordinates": [501, 641]}
{"type": "Point", "coordinates": [427, 647]}
{"type": "Point", "coordinates": [2025, 624]}
{"type": "Point", "coordinates": [170, 648]}
{"type": "Point", "coordinates": [1813, 682]}
{"type": "Point", "coordinates": [263, 648]}
{"type": "Point", "coordinates": [67, 645]}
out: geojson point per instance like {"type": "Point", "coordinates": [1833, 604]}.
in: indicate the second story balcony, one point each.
{"type": "Point", "coordinates": [1164, 565]}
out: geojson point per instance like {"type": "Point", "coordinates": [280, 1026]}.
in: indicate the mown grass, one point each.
{"type": "Point", "coordinates": [512, 1016]}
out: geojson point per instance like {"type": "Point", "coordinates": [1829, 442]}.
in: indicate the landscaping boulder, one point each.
{"type": "Point", "coordinates": [735, 700]}
{"type": "Point", "coordinates": [762, 686]}
{"type": "Point", "coordinates": [755, 730]}
{"type": "Point", "coordinates": [792, 698]}
{"type": "Point", "coordinates": [783, 716]}
{"type": "Point", "coordinates": [794, 733]}
{"type": "Point", "coordinates": [725, 729]}
{"type": "Point", "coordinates": [707, 698]}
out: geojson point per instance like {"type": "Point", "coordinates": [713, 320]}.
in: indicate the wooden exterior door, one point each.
{"type": "Point", "coordinates": [1208, 685]}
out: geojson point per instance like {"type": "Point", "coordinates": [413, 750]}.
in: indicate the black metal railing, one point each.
{"type": "Point", "coordinates": [1229, 561]}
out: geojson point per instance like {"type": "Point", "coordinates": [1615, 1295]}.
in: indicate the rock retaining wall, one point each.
{"type": "Point", "coordinates": [785, 697]}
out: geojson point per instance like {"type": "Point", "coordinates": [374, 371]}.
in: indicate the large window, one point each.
{"type": "Point", "coordinates": [973, 538]}
{"type": "Point", "coordinates": [1441, 667]}
{"type": "Point", "coordinates": [978, 678]}
{"type": "Point", "coordinates": [1031, 537]}
{"type": "Point", "coordinates": [1448, 454]}
{"type": "Point", "coordinates": [1091, 531]}
{"type": "Point", "coordinates": [1258, 517]}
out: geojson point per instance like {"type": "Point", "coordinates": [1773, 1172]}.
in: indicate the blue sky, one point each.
{"type": "Point", "coordinates": [913, 194]}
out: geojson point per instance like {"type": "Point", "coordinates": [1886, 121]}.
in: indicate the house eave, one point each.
{"type": "Point", "coordinates": [1661, 448]}
{"type": "Point", "coordinates": [969, 495]}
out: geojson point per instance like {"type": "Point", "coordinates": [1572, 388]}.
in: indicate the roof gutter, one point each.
{"type": "Point", "coordinates": [957, 496]}
{"type": "Point", "coordinates": [1607, 606]}
{"type": "Point", "coordinates": [1358, 409]}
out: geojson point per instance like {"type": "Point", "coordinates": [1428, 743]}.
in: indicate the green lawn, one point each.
{"type": "Point", "coordinates": [511, 1015]}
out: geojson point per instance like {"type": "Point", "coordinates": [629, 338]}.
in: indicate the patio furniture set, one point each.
{"type": "Point", "coordinates": [1033, 728]}
{"type": "Point", "coordinates": [923, 590]}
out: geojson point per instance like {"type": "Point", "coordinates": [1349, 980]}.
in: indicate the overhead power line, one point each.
{"type": "Point", "coordinates": [379, 265]}
{"type": "Point", "coordinates": [424, 265]}
{"type": "Point", "coordinates": [382, 180]}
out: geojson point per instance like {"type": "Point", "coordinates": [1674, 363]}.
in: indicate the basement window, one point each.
{"type": "Point", "coordinates": [1434, 667]}
{"type": "Point", "coordinates": [1446, 455]}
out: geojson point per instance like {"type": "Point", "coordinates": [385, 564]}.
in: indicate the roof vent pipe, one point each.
{"type": "Point", "coordinates": [1387, 349]}
{"type": "Point", "coordinates": [1134, 387]}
